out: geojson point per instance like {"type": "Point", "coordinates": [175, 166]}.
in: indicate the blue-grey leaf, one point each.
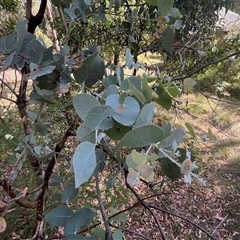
{"type": "Point", "coordinates": [91, 71]}
{"type": "Point", "coordinates": [97, 115]}
{"type": "Point", "coordinates": [141, 136]}
{"type": "Point", "coordinates": [79, 219]}
{"type": "Point", "coordinates": [58, 216]}
{"type": "Point", "coordinates": [83, 103]}
{"type": "Point", "coordinates": [85, 134]}
{"type": "Point", "coordinates": [145, 116]}
{"type": "Point", "coordinates": [69, 194]}
{"type": "Point", "coordinates": [84, 162]}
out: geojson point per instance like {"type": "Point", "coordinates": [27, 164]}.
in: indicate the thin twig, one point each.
{"type": "Point", "coordinates": [130, 231]}
{"type": "Point", "coordinates": [147, 207]}
{"type": "Point", "coordinates": [219, 225]}
{"type": "Point", "coordinates": [183, 218]}
{"type": "Point", "coordinates": [108, 233]}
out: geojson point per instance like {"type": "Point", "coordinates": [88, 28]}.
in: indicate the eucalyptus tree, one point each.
{"type": "Point", "coordinates": [112, 112]}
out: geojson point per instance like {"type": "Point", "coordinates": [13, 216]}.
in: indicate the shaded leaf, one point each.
{"type": "Point", "coordinates": [84, 162]}
{"type": "Point", "coordinates": [85, 134]}
{"type": "Point", "coordinates": [69, 194]}
{"type": "Point", "coordinates": [58, 216]}
{"type": "Point", "coordinates": [79, 219]}
{"type": "Point", "coordinates": [91, 70]}
{"type": "Point", "coordinates": [118, 131]}
{"type": "Point", "coordinates": [167, 39]}
{"type": "Point", "coordinates": [170, 169]}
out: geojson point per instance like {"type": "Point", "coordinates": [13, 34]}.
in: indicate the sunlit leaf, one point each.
{"type": "Point", "coordinates": [145, 116]}
{"type": "Point", "coordinates": [129, 59]}
{"type": "Point", "coordinates": [141, 136]}
{"type": "Point", "coordinates": [188, 84]}
{"type": "Point", "coordinates": [190, 129]}
{"type": "Point", "coordinates": [132, 177]}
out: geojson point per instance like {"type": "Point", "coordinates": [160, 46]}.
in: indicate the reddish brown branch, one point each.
{"type": "Point", "coordinates": [8, 189]}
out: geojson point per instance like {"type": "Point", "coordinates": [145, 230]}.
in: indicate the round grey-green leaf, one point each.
{"type": "Point", "coordinates": [141, 136]}
{"type": "Point", "coordinates": [84, 162]}
{"type": "Point", "coordinates": [83, 103]}
{"type": "Point", "coordinates": [58, 216]}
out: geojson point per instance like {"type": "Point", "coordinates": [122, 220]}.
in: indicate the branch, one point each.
{"type": "Point", "coordinates": [177, 78]}
{"type": "Point", "coordinates": [183, 218]}
{"type": "Point", "coordinates": [108, 233]}
{"type": "Point", "coordinates": [34, 21]}
{"type": "Point", "coordinates": [146, 206]}
{"type": "Point", "coordinates": [48, 172]}
{"type": "Point", "coordinates": [17, 198]}
{"type": "Point", "coordinates": [130, 231]}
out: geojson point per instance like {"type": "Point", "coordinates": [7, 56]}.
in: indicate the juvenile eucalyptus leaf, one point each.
{"type": "Point", "coordinates": [146, 171]}
{"type": "Point", "coordinates": [38, 71]}
{"type": "Point", "coordinates": [126, 83]}
{"type": "Point", "coordinates": [188, 84]}
{"type": "Point", "coordinates": [7, 61]}
{"type": "Point", "coordinates": [126, 113]}
{"type": "Point", "coordinates": [69, 194]}
{"type": "Point", "coordinates": [170, 169]}
{"type": "Point", "coordinates": [177, 135]}
{"type": "Point", "coordinates": [91, 70]}
{"type": "Point", "coordinates": [55, 180]}
{"type": "Point", "coordinates": [42, 128]}
{"type": "Point", "coordinates": [145, 116]}
{"type": "Point", "coordinates": [112, 89]}
{"type": "Point", "coordinates": [164, 98]}
{"type": "Point", "coordinates": [96, 118]}
{"type": "Point", "coordinates": [190, 129]}
{"type": "Point", "coordinates": [85, 134]}
{"type": "Point", "coordinates": [141, 136]}
{"type": "Point", "coordinates": [118, 131]}
{"type": "Point", "coordinates": [38, 53]}
{"type": "Point", "coordinates": [167, 128]}
{"type": "Point", "coordinates": [100, 233]}
{"type": "Point", "coordinates": [80, 218]}
{"type": "Point", "coordinates": [129, 59]}
{"type": "Point", "coordinates": [146, 89]}
{"type": "Point", "coordinates": [70, 13]}
{"type": "Point", "coordinates": [83, 103]}
{"type": "Point", "coordinates": [32, 116]}
{"type": "Point", "coordinates": [109, 80]}
{"type": "Point", "coordinates": [84, 162]}
{"type": "Point", "coordinates": [7, 43]}
{"type": "Point", "coordinates": [100, 163]}
{"type": "Point", "coordinates": [58, 216]}
{"type": "Point", "coordinates": [167, 39]}
{"type": "Point", "coordinates": [118, 235]}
